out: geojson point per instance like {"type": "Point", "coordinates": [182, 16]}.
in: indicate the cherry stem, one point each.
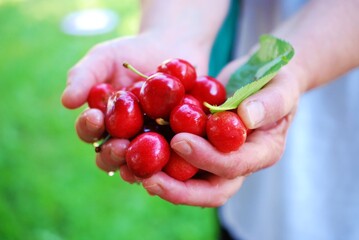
{"type": "Point", "coordinates": [99, 144]}
{"type": "Point", "coordinates": [161, 121]}
{"type": "Point", "coordinates": [130, 67]}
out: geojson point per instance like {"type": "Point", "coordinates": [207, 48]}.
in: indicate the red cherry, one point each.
{"type": "Point", "coordinates": [147, 154]}
{"type": "Point", "coordinates": [159, 94]}
{"type": "Point", "coordinates": [189, 99]}
{"type": "Point", "coordinates": [188, 118]}
{"type": "Point", "coordinates": [226, 131]}
{"type": "Point", "coordinates": [99, 95]}
{"type": "Point", "coordinates": [179, 168]}
{"type": "Point", "coordinates": [210, 90]}
{"type": "Point", "coordinates": [135, 88]}
{"type": "Point", "coordinates": [124, 118]}
{"type": "Point", "coordinates": [181, 69]}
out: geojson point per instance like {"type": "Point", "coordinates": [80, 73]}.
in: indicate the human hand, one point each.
{"type": "Point", "coordinates": [103, 63]}
{"type": "Point", "coordinates": [269, 112]}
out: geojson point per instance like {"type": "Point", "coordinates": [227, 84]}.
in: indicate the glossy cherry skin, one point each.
{"type": "Point", "coordinates": [99, 95]}
{"type": "Point", "coordinates": [147, 154]}
{"type": "Point", "coordinates": [124, 117]}
{"type": "Point", "coordinates": [210, 90]}
{"type": "Point", "coordinates": [226, 131]}
{"type": "Point", "coordinates": [159, 94]}
{"type": "Point", "coordinates": [189, 99]}
{"type": "Point", "coordinates": [181, 69]}
{"type": "Point", "coordinates": [188, 118]}
{"type": "Point", "coordinates": [135, 88]}
{"type": "Point", "coordinates": [179, 168]}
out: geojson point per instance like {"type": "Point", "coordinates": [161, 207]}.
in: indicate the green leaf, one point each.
{"type": "Point", "coordinates": [262, 66]}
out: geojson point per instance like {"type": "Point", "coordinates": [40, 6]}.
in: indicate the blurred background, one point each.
{"type": "Point", "coordinates": [50, 187]}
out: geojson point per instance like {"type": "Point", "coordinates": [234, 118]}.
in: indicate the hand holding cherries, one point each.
{"type": "Point", "coordinates": [151, 111]}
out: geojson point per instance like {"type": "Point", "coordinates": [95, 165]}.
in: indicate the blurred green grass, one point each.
{"type": "Point", "coordinates": [50, 187]}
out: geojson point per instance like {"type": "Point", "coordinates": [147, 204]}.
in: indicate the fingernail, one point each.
{"type": "Point", "coordinates": [255, 112]}
{"type": "Point", "coordinates": [68, 85]}
{"type": "Point", "coordinates": [66, 91]}
{"type": "Point", "coordinates": [117, 156]}
{"type": "Point", "coordinates": [154, 189]}
{"type": "Point", "coordinates": [93, 123]}
{"type": "Point", "coordinates": [182, 147]}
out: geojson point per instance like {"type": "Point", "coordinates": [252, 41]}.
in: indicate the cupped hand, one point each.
{"type": "Point", "coordinates": [268, 112]}
{"type": "Point", "coordinates": [104, 63]}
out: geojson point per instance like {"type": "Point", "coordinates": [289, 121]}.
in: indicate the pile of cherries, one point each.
{"type": "Point", "coordinates": [152, 110]}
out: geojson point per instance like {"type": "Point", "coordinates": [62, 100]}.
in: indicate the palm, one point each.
{"type": "Point", "coordinates": [143, 54]}
{"type": "Point", "coordinates": [104, 63]}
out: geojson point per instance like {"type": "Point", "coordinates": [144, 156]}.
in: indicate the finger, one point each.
{"type": "Point", "coordinates": [262, 149]}
{"type": "Point", "coordinates": [97, 66]}
{"type": "Point", "coordinates": [128, 176]}
{"type": "Point", "coordinates": [101, 165]}
{"type": "Point", "coordinates": [273, 102]}
{"type": "Point", "coordinates": [113, 152]}
{"type": "Point", "coordinates": [90, 125]}
{"type": "Point", "coordinates": [211, 192]}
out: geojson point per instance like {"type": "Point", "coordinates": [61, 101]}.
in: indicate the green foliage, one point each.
{"type": "Point", "coordinates": [50, 187]}
{"type": "Point", "coordinates": [262, 66]}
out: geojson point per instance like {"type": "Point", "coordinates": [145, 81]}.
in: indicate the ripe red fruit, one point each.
{"type": "Point", "coordinates": [179, 168]}
{"type": "Point", "coordinates": [159, 94]}
{"type": "Point", "coordinates": [147, 154]}
{"type": "Point", "coordinates": [135, 87]}
{"type": "Point", "coordinates": [188, 118]}
{"type": "Point", "coordinates": [181, 69]}
{"type": "Point", "coordinates": [226, 131]}
{"type": "Point", "coordinates": [210, 90]}
{"type": "Point", "coordinates": [189, 99]}
{"type": "Point", "coordinates": [123, 118]}
{"type": "Point", "coordinates": [99, 95]}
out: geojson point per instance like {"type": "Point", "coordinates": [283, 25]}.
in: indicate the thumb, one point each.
{"type": "Point", "coordinates": [95, 67]}
{"type": "Point", "coordinates": [276, 100]}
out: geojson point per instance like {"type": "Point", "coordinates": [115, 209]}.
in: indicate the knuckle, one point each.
{"type": "Point", "coordinates": [72, 72]}
{"type": "Point", "coordinates": [245, 168]}
{"type": "Point", "coordinates": [97, 48]}
{"type": "Point", "coordinates": [220, 197]}
{"type": "Point", "coordinates": [235, 167]}
{"type": "Point", "coordinates": [275, 107]}
{"type": "Point", "coordinates": [232, 173]}
{"type": "Point", "coordinates": [220, 200]}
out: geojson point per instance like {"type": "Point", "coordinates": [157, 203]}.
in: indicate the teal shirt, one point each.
{"type": "Point", "coordinates": [223, 47]}
{"type": "Point", "coordinates": [312, 192]}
